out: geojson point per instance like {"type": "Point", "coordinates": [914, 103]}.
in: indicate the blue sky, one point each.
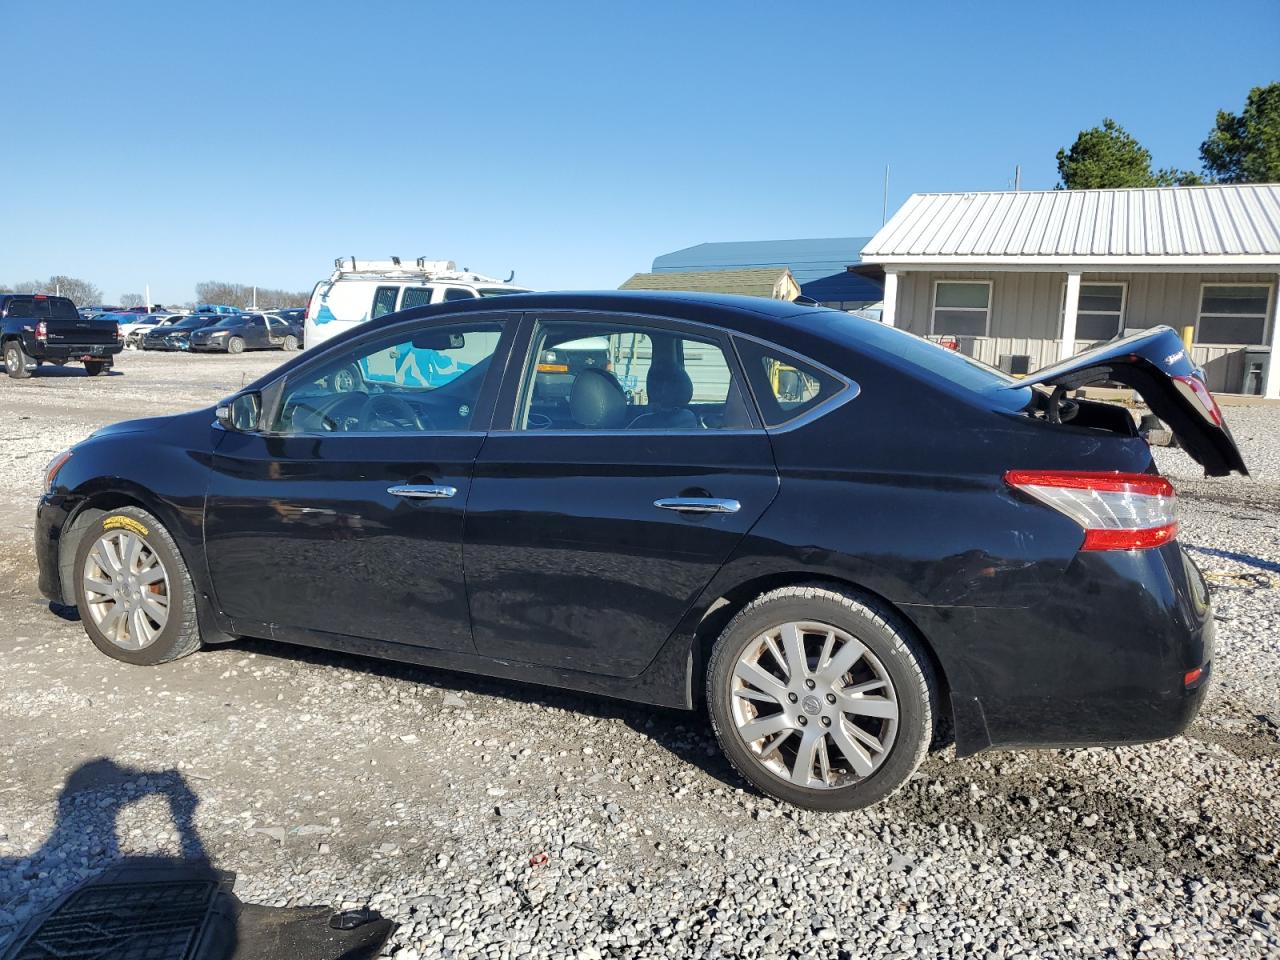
{"type": "Point", "coordinates": [572, 142]}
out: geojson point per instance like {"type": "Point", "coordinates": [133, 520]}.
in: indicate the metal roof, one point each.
{"type": "Point", "coordinates": [807, 259]}
{"type": "Point", "coordinates": [843, 286]}
{"type": "Point", "coordinates": [1229, 223]}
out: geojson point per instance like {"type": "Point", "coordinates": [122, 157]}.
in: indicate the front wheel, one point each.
{"type": "Point", "coordinates": [821, 698]}
{"type": "Point", "coordinates": [235, 345]}
{"type": "Point", "coordinates": [16, 360]}
{"type": "Point", "coordinates": [134, 593]}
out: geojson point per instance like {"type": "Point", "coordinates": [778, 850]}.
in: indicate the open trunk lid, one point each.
{"type": "Point", "coordinates": [1155, 363]}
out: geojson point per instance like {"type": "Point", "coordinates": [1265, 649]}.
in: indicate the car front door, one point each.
{"type": "Point", "coordinates": [600, 512]}
{"type": "Point", "coordinates": [343, 513]}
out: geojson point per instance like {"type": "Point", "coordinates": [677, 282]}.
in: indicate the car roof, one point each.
{"type": "Point", "coordinates": [751, 315]}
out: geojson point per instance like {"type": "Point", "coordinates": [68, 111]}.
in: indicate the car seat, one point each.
{"type": "Point", "coordinates": [597, 401]}
{"type": "Point", "coordinates": [669, 390]}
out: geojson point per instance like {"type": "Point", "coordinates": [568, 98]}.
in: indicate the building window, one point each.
{"type": "Point", "coordinates": [1100, 312]}
{"type": "Point", "coordinates": [1233, 313]}
{"type": "Point", "coordinates": [961, 308]}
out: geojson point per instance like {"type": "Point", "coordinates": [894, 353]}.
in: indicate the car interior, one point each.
{"type": "Point", "coordinates": [660, 391]}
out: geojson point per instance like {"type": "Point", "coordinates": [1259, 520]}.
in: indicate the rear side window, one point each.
{"type": "Point", "coordinates": [457, 293]}
{"type": "Point", "coordinates": [415, 297]}
{"type": "Point", "coordinates": [786, 387]}
{"type": "Point", "coordinates": [384, 302]}
{"type": "Point", "coordinates": [21, 309]}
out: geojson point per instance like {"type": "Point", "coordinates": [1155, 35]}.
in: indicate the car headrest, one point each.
{"type": "Point", "coordinates": [669, 387]}
{"type": "Point", "coordinates": [597, 401]}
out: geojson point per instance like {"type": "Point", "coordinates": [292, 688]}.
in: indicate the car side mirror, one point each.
{"type": "Point", "coordinates": [240, 413]}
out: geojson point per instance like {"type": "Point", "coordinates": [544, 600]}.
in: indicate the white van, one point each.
{"type": "Point", "coordinates": [361, 290]}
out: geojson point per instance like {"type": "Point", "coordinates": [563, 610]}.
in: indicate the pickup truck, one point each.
{"type": "Point", "coordinates": [35, 329]}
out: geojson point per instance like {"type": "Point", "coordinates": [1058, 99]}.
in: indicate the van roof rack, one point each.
{"type": "Point", "coordinates": [395, 268]}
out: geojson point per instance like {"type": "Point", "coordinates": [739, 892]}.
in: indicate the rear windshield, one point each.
{"type": "Point", "coordinates": [50, 308]}
{"type": "Point", "coordinates": [950, 365]}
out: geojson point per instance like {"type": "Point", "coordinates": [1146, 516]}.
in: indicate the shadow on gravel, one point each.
{"type": "Point", "coordinates": [52, 371]}
{"type": "Point", "coordinates": [152, 907]}
{"type": "Point", "coordinates": [684, 734]}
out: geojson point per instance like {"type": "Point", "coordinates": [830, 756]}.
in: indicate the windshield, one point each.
{"type": "Point", "coordinates": [500, 291]}
{"type": "Point", "coordinates": [193, 322]}
{"type": "Point", "coordinates": [228, 322]}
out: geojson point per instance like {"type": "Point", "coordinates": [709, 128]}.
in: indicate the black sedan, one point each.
{"type": "Point", "coordinates": [845, 540]}
{"type": "Point", "coordinates": [177, 335]}
{"type": "Point", "coordinates": [247, 331]}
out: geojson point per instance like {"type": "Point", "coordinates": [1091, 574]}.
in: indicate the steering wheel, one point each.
{"type": "Point", "coordinates": [387, 408]}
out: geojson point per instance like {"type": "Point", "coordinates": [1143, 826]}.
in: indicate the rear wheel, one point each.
{"type": "Point", "coordinates": [134, 593]}
{"type": "Point", "coordinates": [94, 367]}
{"type": "Point", "coordinates": [16, 360]}
{"type": "Point", "coordinates": [290, 343]}
{"type": "Point", "coordinates": [821, 698]}
{"type": "Point", "coordinates": [235, 345]}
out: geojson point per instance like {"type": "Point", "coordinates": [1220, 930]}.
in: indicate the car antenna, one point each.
{"type": "Point", "coordinates": [512, 277]}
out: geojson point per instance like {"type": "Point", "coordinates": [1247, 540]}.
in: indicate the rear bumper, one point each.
{"type": "Point", "coordinates": [1102, 661]}
{"type": "Point", "coordinates": [100, 352]}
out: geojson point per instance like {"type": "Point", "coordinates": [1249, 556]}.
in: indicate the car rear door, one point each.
{"type": "Point", "coordinates": [1156, 364]}
{"type": "Point", "coordinates": [344, 514]}
{"type": "Point", "coordinates": [598, 517]}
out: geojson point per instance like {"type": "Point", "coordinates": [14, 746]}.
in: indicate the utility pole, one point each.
{"type": "Point", "coordinates": [884, 209]}
{"type": "Point", "coordinates": [255, 299]}
{"type": "Point", "coordinates": [147, 303]}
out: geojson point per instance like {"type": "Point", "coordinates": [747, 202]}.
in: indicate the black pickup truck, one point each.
{"type": "Point", "coordinates": [35, 329]}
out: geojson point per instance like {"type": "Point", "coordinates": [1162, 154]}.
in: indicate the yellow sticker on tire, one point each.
{"type": "Point", "coordinates": [125, 523]}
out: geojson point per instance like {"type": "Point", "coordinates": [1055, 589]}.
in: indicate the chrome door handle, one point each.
{"type": "Point", "coordinates": [698, 505]}
{"type": "Point", "coordinates": [414, 491]}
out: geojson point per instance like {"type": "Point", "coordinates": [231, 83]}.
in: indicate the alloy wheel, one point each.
{"type": "Point", "coordinates": [126, 589]}
{"type": "Point", "coordinates": [814, 705]}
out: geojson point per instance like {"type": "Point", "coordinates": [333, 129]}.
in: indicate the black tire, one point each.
{"type": "Point", "coordinates": [290, 343]}
{"type": "Point", "coordinates": [180, 635]}
{"type": "Point", "coordinates": [94, 367]}
{"type": "Point", "coordinates": [881, 632]}
{"type": "Point", "coordinates": [235, 345]}
{"type": "Point", "coordinates": [16, 359]}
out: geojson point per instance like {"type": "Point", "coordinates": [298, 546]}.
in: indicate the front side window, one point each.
{"type": "Point", "coordinates": [1100, 312]}
{"type": "Point", "coordinates": [785, 386]}
{"type": "Point", "coordinates": [384, 302]}
{"type": "Point", "coordinates": [584, 376]}
{"type": "Point", "coordinates": [961, 308]}
{"type": "Point", "coordinates": [426, 381]}
{"type": "Point", "coordinates": [1233, 313]}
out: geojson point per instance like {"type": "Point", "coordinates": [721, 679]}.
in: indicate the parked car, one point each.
{"type": "Point", "coordinates": [361, 290]}
{"type": "Point", "coordinates": [133, 326]}
{"type": "Point", "coordinates": [36, 329]}
{"type": "Point", "coordinates": [216, 308]}
{"type": "Point", "coordinates": [177, 335]}
{"type": "Point", "coordinates": [296, 315]}
{"type": "Point", "coordinates": [901, 542]}
{"type": "Point", "coordinates": [247, 331]}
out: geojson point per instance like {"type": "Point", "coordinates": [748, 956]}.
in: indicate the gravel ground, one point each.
{"type": "Point", "coordinates": [494, 820]}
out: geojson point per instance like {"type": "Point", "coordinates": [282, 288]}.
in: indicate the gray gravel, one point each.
{"type": "Point", "coordinates": [494, 820]}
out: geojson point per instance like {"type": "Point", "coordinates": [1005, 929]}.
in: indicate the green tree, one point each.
{"type": "Point", "coordinates": [1245, 148]}
{"type": "Point", "coordinates": [1108, 156]}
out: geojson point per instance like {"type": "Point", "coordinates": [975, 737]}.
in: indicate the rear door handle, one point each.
{"type": "Point", "coordinates": [417, 491]}
{"type": "Point", "coordinates": [698, 505]}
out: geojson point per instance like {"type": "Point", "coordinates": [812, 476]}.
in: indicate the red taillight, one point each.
{"type": "Point", "coordinates": [1117, 511]}
{"type": "Point", "coordinates": [42, 330]}
{"type": "Point", "coordinates": [1201, 393]}
{"type": "Point", "coordinates": [119, 333]}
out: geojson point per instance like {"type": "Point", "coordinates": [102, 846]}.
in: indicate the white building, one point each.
{"type": "Point", "coordinates": [1048, 273]}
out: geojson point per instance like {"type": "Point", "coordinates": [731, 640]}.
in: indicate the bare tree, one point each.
{"type": "Point", "coordinates": [131, 300]}
{"type": "Point", "coordinates": [81, 292]}
{"type": "Point", "coordinates": [242, 295]}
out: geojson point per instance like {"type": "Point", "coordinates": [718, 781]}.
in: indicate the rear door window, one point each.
{"type": "Point", "coordinates": [384, 302]}
{"type": "Point", "coordinates": [415, 297]}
